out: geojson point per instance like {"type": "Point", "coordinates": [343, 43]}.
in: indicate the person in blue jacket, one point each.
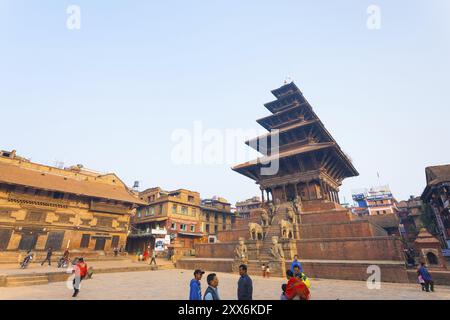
{"type": "Point", "coordinates": [426, 276]}
{"type": "Point", "coordinates": [296, 263]}
{"type": "Point", "coordinates": [195, 292]}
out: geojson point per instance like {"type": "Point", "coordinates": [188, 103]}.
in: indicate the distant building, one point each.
{"type": "Point", "coordinates": [374, 201]}
{"type": "Point", "coordinates": [409, 212]}
{"type": "Point", "coordinates": [243, 208]}
{"type": "Point", "coordinates": [437, 195]}
{"type": "Point", "coordinates": [169, 220]}
{"type": "Point", "coordinates": [216, 215]}
{"type": "Point", "coordinates": [43, 206]}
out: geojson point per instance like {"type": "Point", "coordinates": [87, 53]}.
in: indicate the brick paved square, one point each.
{"type": "Point", "coordinates": [174, 285]}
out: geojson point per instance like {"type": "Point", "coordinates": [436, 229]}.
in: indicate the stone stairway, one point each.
{"type": "Point", "coordinates": [254, 266]}
{"type": "Point", "coordinates": [20, 281]}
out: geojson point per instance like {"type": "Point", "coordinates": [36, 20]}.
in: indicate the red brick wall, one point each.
{"type": "Point", "coordinates": [214, 250]}
{"type": "Point", "coordinates": [232, 235]}
{"type": "Point", "coordinates": [207, 265]}
{"type": "Point", "coordinates": [330, 216]}
{"type": "Point", "coordinates": [349, 229]}
{"type": "Point", "coordinates": [355, 271]}
{"type": "Point", "coordinates": [379, 248]}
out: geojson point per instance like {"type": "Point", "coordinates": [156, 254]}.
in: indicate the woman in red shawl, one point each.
{"type": "Point", "coordinates": [296, 287]}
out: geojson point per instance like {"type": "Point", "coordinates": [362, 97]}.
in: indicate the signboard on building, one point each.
{"type": "Point", "coordinates": [162, 232]}
{"type": "Point", "coordinates": [159, 244]}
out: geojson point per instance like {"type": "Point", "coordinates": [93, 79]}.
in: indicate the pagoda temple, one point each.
{"type": "Point", "coordinates": [299, 174]}
{"type": "Point", "coordinates": [311, 163]}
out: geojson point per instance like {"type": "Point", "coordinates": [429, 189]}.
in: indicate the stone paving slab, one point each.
{"type": "Point", "coordinates": [33, 269]}
{"type": "Point", "coordinates": [174, 285]}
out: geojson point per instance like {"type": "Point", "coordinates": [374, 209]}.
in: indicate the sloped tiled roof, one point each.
{"type": "Point", "coordinates": [438, 174]}
{"type": "Point", "coordinates": [83, 186]}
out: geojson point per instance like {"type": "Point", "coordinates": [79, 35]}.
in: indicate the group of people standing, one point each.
{"type": "Point", "coordinates": [244, 291]}
{"type": "Point", "coordinates": [297, 287]}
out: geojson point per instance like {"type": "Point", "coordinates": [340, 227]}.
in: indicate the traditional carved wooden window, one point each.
{"type": "Point", "coordinates": [5, 213]}
{"type": "Point", "coordinates": [36, 216]}
{"type": "Point", "coordinates": [85, 239]}
{"type": "Point", "coordinates": [85, 222]}
{"type": "Point", "coordinates": [55, 240]}
{"type": "Point", "coordinates": [122, 225]}
{"type": "Point", "coordinates": [64, 218]}
{"type": "Point", "coordinates": [104, 222]}
{"type": "Point", "coordinates": [5, 236]}
{"type": "Point", "coordinates": [115, 241]}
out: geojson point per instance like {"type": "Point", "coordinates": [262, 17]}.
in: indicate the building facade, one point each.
{"type": "Point", "coordinates": [216, 216]}
{"type": "Point", "coordinates": [374, 201]}
{"type": "Point", "coordinates": [43, 206]}
{"type": "Point", "coordinates": [172, 215]}
{"type": "Point", "coordinates": [437, 196]}
{"type": "Point", "coordinates": [244, 209]}
{"type": "Point", "coordinates": [409, 212]}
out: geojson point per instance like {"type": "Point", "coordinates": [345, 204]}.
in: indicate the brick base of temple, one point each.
{"type": "Point", "coordinates": [331, 245]}
{"type": "Point", "coordinates": [341, 270]}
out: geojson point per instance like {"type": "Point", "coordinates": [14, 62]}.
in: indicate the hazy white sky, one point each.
{"type": "Point", "coordinates": [111, 95]}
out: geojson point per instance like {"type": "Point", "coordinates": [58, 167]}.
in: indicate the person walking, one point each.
{"type": "Point", "coordinates": [294, 263]}
{"type": "Point", "coordinates": [426, 276]}
{"type": "Point", "coordinates": [27, 259]}
{"type": "Point", "coordinates": [245, 284]}
{"type": "Point", "coordinates": [80, 270]}
{"type": "Point", "coordinates": [212, 292]}
{"type": "Point", "coordinates": [48, 257]}
{"type": "Point", "coordinates": [153, 257]}
{"type": "Point", "coordinates": [195, 292]}
{"type": "Point", "coordinates": [263, 269]}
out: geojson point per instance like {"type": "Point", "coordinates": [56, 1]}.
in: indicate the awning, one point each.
{"type": "Point", "coordinates": [191, 234]}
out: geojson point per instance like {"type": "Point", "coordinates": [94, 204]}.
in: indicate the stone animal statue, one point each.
{"type": "Point", "coordinates": [290, 215]}
{"type": "Point", "coordinates": [276, 250]}
{"type": "Point", "coordinates": [265, 218]}
{"type": "Point", "coordinates": [256, 231]}
{"type": "Point", "coordinates": [286, 229]}
{"type": "Point", "coordinates": [297, 204]}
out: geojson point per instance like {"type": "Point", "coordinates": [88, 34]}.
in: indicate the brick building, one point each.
{"type": "Point", "coordinates": [374, 201]}
{"type": "Point", "coordinates": [437, 195]}
{"type": "Point", "coordinates": [43, 206]}
{"type": "Point", "coordinates": [175, 214]}
{"type": "Point", "coordinates": [217, 215]}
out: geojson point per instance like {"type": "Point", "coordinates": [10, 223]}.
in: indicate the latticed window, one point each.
{"type": "Point", "coordinates": [104, 222]}
{"type": "Point", "coordinates": [36, 216]}
{"type": "Point", "coordinates": [64, 218]}
{"type": "Point", "coordinates": [5, 213]}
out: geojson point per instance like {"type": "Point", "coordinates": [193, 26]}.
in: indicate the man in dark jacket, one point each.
{"type": "Point", "coordinates": [48, 257]}
{"type": "Point", "coordinates": [212, 292]}
{"type": "Point", "coordinates": [245, 284]}
{"type": "Point", "coordinates": [195, 292]}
